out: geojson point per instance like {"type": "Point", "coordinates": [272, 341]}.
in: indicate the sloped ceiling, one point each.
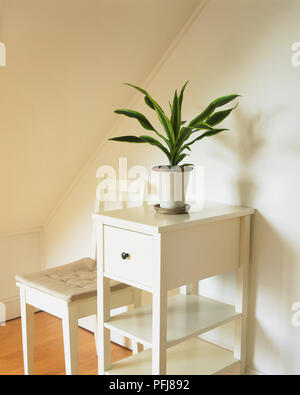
{"type": "Point", "coordinates": [66, 60]}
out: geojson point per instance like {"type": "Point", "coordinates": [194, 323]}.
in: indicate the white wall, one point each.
{"type": "Point", "coordinates": [66, 61]}
{"type": "Point", "coordinates": [234, 46]}
{"type": "Point", "coordinates": [19, 253]}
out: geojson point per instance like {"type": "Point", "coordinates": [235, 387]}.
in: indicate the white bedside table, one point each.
{"type": "Point", "coordinates": [158, 253]}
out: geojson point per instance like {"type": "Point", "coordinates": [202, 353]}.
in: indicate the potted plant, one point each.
{"type": "Point", "coordinates": [176, 140]}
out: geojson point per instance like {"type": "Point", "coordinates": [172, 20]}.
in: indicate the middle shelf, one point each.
{"type": "Point", "coordinates": [188, 317]}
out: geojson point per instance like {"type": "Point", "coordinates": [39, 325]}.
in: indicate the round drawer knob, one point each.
{"type": "Point", "coordinates": [124, 255]}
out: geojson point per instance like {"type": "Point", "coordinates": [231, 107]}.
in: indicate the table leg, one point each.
{"type": "Point", "coordinates": [159, 333]}
{"type": "Point", "coordinates": [103, 333]}
{"type": "Point", "coordinates": [242, 294]}
{"type": "Point", "coordinates": [159, 310]}
{"type": "Point", "coordinates": [27, 318]}
{"type": "Point", "coordinates": [103, 307]}
{"type": "Point", "coordinates": [137, 302]}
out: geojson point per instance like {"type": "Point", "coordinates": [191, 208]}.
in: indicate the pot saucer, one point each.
{"type": "Point", "coordinates": [172, 211]}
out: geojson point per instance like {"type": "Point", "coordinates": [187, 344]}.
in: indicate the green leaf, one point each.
{"type": "Point", "coordinates": [207, 134]}
{"type": "Point", "coordinates": [203, 116]}
{"type": "Point", "coordinates": [142, 140]}
{"type": "Point", "coordinates": [176, 115]}
{"type": "Point", "coordinates": [178, 101]}
{"type": "Point", "coordinates": [184, 147]}
{"type": "Point", "coordinates": [152, 141]}
{"type": "Point", "coordinates": [187, 164]}
{"type": "Point", "coordinates": [202, 126]}
{"type": "Point", "coordinates": [166, 124]}
{"type": "Point", "coordinates": [221, 101]}
{"type": "Point", "coordinates": [137, 115]}
{"type": "Point", "coordinates": [144, 92]}
{"type": "Point", "coordinates": [138, 88]}
{"type": "Point", "coordinates": [165, 139]}
{"type": "Point", "coordinates": [128, 139]}
{"type": "Point", "coordinates": [143, 121]}
{"type": "Point", "coordinates": [171, 109]}
{"type": "Point", "coordinates": [177, 152]}
{"type": "Point", "coordinates": [186, 132]}
{"type": "Point", "coordinates": [219, 117]}
{"type": "Point", "coordinates": [149, 103]}
{"type": "Point", "coordinates": [180, 159]}
{"type": "Point", "coordinates": [184, 135]}
{"type": "Point", "coordinates": [181, 94]}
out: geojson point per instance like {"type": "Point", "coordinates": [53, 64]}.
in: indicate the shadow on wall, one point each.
{"type": "Point", "coordinates": [249, 141]}
{"type": "Point", "coordinates": [274, 268]}
{"type": "Point", "coordinates": [273, 258]}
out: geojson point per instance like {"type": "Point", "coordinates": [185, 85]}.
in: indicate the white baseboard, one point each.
{"type": "Point", "coordinates": [10, 308]}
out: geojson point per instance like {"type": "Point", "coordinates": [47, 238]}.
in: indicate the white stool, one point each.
{"type": "Point", "coordinates": [68, 292]}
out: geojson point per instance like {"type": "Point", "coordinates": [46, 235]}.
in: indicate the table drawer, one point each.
{"type": "Point", "coordinates": [138, 266]}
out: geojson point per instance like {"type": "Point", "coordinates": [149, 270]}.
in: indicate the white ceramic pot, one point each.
{"type": "Point", "coordinates": [173, 183]}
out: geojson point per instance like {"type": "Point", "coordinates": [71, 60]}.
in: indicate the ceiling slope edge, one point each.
{"type": "Point", "coordinates": [187, 25]}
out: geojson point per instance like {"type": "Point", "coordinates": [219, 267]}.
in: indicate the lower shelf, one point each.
{"type": "Point", "coordinates": [193, 357]}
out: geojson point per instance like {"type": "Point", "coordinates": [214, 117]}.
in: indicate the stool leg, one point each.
{"type": "Point", "coordinates": [137, 302]}
{"type": "Point", "coordinates": [70, 332]}
{"type": "Point", "coordinates": [27, 319]}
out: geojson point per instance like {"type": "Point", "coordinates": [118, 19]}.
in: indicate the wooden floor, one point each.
{"type": "Point", "coordinates": [49, 349]}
